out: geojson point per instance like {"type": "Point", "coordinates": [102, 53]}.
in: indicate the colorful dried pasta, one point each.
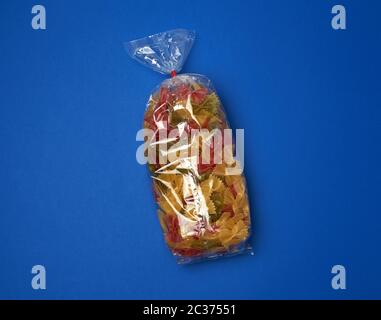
{"type": "Point", "coordinates": [198, 185]}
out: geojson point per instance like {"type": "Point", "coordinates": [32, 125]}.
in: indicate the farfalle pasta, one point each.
{"type": "Point", "coordinates": [199, 187]}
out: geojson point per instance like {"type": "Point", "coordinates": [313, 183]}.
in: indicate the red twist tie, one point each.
{"type": "Point", "coordinates": [173, 73]}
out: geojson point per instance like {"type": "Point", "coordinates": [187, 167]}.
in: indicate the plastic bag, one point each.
{"type": "Point", "coordinates": [197, 183]}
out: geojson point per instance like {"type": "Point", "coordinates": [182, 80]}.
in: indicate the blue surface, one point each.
{"type": "Point", "coordinates": [74, 199]}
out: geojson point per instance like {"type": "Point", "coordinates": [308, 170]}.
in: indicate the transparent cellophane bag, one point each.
{"type": "Point", "coordinates": [203, 206]}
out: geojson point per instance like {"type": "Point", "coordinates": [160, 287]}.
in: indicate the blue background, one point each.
{"type": "Point", "coordinates": [74, 199]}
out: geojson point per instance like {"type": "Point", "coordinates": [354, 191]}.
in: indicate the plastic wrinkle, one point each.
{"type": "Point", "coordinates": [164, 52]}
